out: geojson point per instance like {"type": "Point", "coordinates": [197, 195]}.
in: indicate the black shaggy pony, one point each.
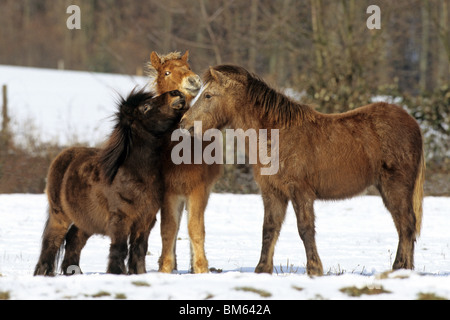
{"type": "Point", "coordinates": [114, 191]}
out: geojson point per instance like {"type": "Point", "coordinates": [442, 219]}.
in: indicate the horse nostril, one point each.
{"type": "Point", "coordinates": [182, 122]}
{"type": "Point", "coordinates": [183, 125]}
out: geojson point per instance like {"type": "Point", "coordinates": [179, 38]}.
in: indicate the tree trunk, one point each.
{"type": "Point", "coordinates": [317, 36]}
{"type": "Point", "coordinates": [444, 52]}
{"type": "Point", "coordinates": [252, 51]}
{"type": "Point", "coordinates": [210, 31]}
{"type": "Point", "coordinates": [423, 64]}
{"type": "Point", "coordinates": [26, 27]}
{"type": "Point", "coordinates": [167, 27]}
{"type": "Point", "coordinates": [4, 134]}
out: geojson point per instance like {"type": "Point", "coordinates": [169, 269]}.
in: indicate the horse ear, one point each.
{"type": "Point", "coordinates": [185, 56]}
{"type": "Point", "coordinates": [217, 76]}
{"type": "Point", "coordinates": [155, 60]}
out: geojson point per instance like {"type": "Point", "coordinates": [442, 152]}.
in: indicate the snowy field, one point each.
{"type": "Point", "coordinates": [63, 107]}
{"type": "Point", "coordinates": [356, 240]}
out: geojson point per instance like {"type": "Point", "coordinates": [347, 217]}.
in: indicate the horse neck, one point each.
{"type": "Point", "coordinates": [145, 147]}
{"type": "Point", "coordinates": [247, 120]}
{"type": "Point", "coordinates": [294, 115]}
{"type": "Point", "coordinates": [274, 109]}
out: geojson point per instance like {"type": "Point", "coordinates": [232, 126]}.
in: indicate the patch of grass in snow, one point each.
{"type": "Point", "coordinates": [262, 293]}
{"type": "Point", "coordinates": [429, 296]}
{"type": "Point", "coordinates": [141, 283]}
{"type": "Point", "coordinates": [4, 295]}
{"type": "Point", "coordinates": [209, 296]}
{"type": "Point", "coordinates": [289, 268]}
{"type": "Point", "coordinates": [392, 274]}
{"type": "Point", "coordinates": [101, 294]}
{"type": "Point", "coordinates": [338, 271]}
{"type": "Point", "coordinates": [369, 290]}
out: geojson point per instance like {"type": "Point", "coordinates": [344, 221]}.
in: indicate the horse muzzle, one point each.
{"type": "Point", "coordinates": [185, 126]}
{"type": "Point", "coordinates": [193, 85]}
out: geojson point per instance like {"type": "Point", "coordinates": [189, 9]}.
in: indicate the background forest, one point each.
{"type": "Point", "coordinates": [322, 49]}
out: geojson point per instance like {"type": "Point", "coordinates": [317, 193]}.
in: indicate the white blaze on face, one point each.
{"type": "Point", "coordinates": [199, 94]}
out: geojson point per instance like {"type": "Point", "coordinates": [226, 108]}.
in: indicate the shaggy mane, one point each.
{"type": "Point", "coordinates": [120, 142]}
{"type": "Point", "coordinates": [275, 106]}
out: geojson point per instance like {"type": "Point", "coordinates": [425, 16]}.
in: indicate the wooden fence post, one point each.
{"type": "Point", "coordinates": [5, 134]}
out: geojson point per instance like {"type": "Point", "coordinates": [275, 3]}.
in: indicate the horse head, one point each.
{"type": "Point", "coordinates": [173, 72]}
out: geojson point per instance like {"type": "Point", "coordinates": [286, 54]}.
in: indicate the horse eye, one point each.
{"type": "Point", "coordinates": [167, 73]}
{"type": "Point", "coordinates": [146, 107]}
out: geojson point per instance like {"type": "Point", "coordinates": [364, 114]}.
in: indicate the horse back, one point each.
{"type": "Point", "coordinates": [340, 155]}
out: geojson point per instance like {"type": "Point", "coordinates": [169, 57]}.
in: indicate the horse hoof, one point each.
{"type": "Point", "coordinates": [43, 270]}
{"type": "Point", "coordinates": [314, 270]}
{"type": "Point", "coordinates": [201, 269]}
{"type": "Point", "coordinates": [116, 270]}
{"type": "Point", "coordinates": [264, 269]}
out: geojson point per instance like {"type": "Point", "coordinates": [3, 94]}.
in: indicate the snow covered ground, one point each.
{"type": "Point", "coordinates": [356, 240]}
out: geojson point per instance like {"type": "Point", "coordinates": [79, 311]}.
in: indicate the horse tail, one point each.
{"type": "Point", "coordinates": [418, 193]}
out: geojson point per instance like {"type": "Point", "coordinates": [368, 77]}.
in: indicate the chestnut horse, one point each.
{"type": "Point", "coordinates": [188, 184]}
{"type": "Point", "coordinates": [115, 190]}
{"type": "Point", "coordinates": [321, 156]}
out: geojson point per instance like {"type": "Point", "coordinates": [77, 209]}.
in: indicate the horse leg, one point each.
{"type": "Point", "coordinates": [398, 200]}
{"type": "Point", "coordinates": [179, 215]}
{"type": "Point", "coordinates": [52, 239]}
{"type": "Point", "coordinates": [275, 205]}
{"type": "Point", "coordinates": [304, 211]}
{"type": "Point", "coordinates": [118, 230]}
{"type": "Point", "coordinates": [171, 211]}
{"type": "Point", "coordinates": [139, 245]}
{"type": "Point", "coordinates": [197, 201]}
{"type": "Point", "coordinates": [75, 242]}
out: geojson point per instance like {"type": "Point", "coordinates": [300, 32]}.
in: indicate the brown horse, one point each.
{"type": "Point", "coordinates": [321, 156]}
{"type": "Point", "coordinates": [173, 72]}
{"type": "Point", "coordinates": [115, 190]}
{"type": "Point", "coordinates": [184, 183]}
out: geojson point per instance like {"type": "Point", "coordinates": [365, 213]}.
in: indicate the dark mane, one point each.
{"type": "Point", "coordinates": [272, 105]}
{"type": "Point", "coordinates": [120, 142]}
{"type": "Point", "coordinates": [275, 106]}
